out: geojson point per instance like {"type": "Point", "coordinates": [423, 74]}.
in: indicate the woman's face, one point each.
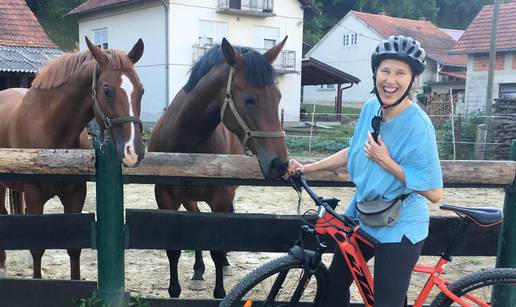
{"type": "Point", "coordinates": [392, 80]}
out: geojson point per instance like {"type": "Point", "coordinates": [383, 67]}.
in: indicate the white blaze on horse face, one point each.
{"type": "Point", "coordinates": [130, 156]}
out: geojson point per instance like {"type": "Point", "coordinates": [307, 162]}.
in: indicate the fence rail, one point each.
{"type": "Point", "coordinates": [150, 229]}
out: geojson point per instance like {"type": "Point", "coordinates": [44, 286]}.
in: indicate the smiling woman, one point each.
{"type": "Point", "coordinates": [393, 161]}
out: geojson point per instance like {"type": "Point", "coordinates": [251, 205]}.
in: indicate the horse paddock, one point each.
{"type": "Point", "coordinates": [147, 271]}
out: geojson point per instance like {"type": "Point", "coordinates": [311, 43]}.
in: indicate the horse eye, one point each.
{"type": "Point", "coordinates": [143, 92]}
{"type": "Point", "coordinates": [250, 100]}
{"type": "Point", "coordinates": [108, 92]}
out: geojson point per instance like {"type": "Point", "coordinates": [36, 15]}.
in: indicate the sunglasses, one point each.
{"type": "Point", "coordinates": [375, 123]}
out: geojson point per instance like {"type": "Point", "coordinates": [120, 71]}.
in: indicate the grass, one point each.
{"type": "Point", "coordinates": [319, 108]}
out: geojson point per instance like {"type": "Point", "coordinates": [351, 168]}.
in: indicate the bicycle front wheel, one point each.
{"type": "Point", "coordinates": [277, 283]}
{"type": "Point", "coordinates": [476, 289]}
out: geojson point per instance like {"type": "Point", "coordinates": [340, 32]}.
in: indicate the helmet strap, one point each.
{"type": "Point", "coordinates": [384, 106]}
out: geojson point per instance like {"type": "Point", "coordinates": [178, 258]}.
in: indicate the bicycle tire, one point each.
{"type": "Point", "coordinates": [243, 289]}
{"type": "Point", "coordinates": [475, 282]}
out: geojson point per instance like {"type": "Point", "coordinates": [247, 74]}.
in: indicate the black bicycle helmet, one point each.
{"type": "Point", "coordinates": [405, 49]}
{"type": "Point", "coordinates": [401, 48]}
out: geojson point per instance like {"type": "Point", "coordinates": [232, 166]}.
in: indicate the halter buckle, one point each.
{"type": "Point", "coordinates": [107, 122]}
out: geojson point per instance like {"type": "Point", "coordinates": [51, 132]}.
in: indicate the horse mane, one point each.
{"type": "Point", "coordinates": [59, 70]}
{"type": "Point", "coordinates": [258, 71]}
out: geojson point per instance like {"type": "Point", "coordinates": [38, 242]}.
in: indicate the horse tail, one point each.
{"type": "Point", "coordinates": [16, 202]}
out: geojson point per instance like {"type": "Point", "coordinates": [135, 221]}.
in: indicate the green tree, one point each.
{"type": "Point", "coordinates": [62, 30]}
{"type": "Point", "coordinates": [457, 14]}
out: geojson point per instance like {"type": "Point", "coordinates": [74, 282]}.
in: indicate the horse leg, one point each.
{"type": "Point", "coordinates": [226, 267]}
{"type": "Point", "coordinates": [221, 202]}
{"type": "Point", "coordinates": [73, 199]}
{"type": "Point", "coordinates": [218, 259]}
{"type": "Point", "coordinates": [174, 289]}
{"type": "Point", "coordinates": [197, 282]}
{"type": "Point", "coordinates": [3, 210]}
{"type": "Point", "coordinates": [35, 202]}
{"type": "Point", "coordinates": [164, 198]}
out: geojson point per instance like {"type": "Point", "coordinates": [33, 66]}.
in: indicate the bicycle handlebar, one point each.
{"type": "Point", "coordinates": [298, 182]}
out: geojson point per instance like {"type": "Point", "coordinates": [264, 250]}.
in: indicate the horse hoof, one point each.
{"type": "Point", "coordinates": [197, 285]}
{"type": "Point", "coordinates": [219, 294]}
{"type": "Point", "coordinates": [174, 293]}
{"type": "Point", "coordinates": [227, 271]}
{"type": "Point", "coordinates": [3, 273]}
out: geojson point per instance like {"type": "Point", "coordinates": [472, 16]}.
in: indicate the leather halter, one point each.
{"type": "Point", "coordinates": [228, 100]}
{"type": "Point", "coordinates": [107, 121]}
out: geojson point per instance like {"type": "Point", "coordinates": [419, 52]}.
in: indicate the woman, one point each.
{"type": "Point", "coordinates": [401, 166]}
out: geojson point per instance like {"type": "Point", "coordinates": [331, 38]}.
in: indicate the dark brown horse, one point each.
{"type": "Point", "coordinates": [229, 103]}
{"type": "Point", "coordinates": [65, 96]}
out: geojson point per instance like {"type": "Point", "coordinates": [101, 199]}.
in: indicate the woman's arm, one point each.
{"type": "Point", "coordinates": [332, 162]}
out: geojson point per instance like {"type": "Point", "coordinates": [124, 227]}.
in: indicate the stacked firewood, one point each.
{"type": "Point", "coordinates": [504, 111]}
{"type": "Point", "coordinates": [438, 108]}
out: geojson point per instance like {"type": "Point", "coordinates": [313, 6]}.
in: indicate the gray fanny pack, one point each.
{"type": "Point", "coordinates": [380, 213]}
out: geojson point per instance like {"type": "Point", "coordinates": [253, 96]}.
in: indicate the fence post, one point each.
{"type": "Point", "coordinates": [110, 225]}
{"type": "Point", "coordinates": [507, 240]}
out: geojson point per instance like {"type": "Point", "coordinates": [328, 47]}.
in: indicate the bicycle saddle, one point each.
{"type": "Point", "coordinates": [482, 216]}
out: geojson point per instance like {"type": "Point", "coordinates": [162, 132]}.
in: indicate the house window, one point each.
{"type": "Point", "coordinates": [507, 90]}
{"type": "Point", "coordinates": [211, 32]}
{"type": "Point", "coordinates": [100, 38]}
{"type": "Point", "coordinates": [266, 37]}
{"type": "Point", "coordinates": [327, 87]}
{"type": "Point", "coordinates": [349, 39]}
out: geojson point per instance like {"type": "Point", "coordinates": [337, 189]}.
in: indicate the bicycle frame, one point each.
{"type": "Point", "coordinates": [347, 234]}
{"type": "Point", "coordinates": [347, 241]}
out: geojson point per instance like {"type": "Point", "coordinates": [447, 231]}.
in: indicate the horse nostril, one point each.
{"type": "Point", "coordinates": [279, 167]}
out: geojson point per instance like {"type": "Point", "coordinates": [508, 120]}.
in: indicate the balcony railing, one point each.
{"type": "Point", "coordinates": [257, 8]}
{"type": "Point", "coordinates": [285, 62]}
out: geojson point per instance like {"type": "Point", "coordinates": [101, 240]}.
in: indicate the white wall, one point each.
{"type": "Point", "coordinates": [125, 26]}
{"type": "Point", "coordinates": [354, 60]}
{"type": "Point", "coordinates": [184, 30]}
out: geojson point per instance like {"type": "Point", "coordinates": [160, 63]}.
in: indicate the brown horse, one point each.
{"type": "Point", "coordinates": [65, 96]}
{"type": "Point", "coordinates": [229, 103]}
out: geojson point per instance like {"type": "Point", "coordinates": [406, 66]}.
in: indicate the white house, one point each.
{"type": "Point", "coordinates": [349, 44]}
{"type": "Point", "coordinates": [177, 32]}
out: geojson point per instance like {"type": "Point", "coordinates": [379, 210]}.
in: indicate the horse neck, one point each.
{"type": "Point", "coordinates": [69, 107]}
{"type": "Point", "coordinates": [198, 113]}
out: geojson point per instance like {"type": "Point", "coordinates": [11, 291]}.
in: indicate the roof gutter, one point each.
{"type": "Point", "coordinates": [167, 70]}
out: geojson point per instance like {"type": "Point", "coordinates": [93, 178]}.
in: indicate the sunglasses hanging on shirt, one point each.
{"type": "Point", "coordinates": [375, 124]}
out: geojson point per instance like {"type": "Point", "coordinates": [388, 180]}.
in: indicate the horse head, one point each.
{"type": "Point", "coordinates": [117, 93]}
{"type": "Point", "coordinates": [251, 103]}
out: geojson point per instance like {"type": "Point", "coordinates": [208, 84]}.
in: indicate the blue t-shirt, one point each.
{"type": "Point", "coordinates": [410, 138]}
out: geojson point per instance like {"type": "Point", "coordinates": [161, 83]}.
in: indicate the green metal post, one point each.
{"type": "Point", "coordinates": [110, 226]}
{"type": "Point", "coordinates": [506, 256]}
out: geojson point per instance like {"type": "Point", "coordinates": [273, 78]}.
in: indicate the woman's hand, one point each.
{"type": "Point", "coordinates": [377, 152]}
{"type": "Point", "coordinates": [294, 166]}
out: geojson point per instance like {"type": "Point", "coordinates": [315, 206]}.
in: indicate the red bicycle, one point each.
{"type": "Point", "coordinates": [298, 279]}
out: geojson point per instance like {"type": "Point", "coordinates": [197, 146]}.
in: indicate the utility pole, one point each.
{"type": "Point", "coordinates": [492, 58]}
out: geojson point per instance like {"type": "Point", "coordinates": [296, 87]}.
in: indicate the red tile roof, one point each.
{"type": "Point", "coordinates": [19, 26]}
{"type": "Point", "coordinates": [97, 5]}
{"type": "Point", "coordinates": [477, 37]}
{"type": "Point", "coordinates": [437, 43]}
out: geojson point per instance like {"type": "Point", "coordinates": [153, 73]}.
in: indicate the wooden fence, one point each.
{"type": "Point", "coordinates": [153, 229]}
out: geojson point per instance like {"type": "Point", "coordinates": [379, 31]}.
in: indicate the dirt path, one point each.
{"type": "Point", "coordinates": [147, 271]}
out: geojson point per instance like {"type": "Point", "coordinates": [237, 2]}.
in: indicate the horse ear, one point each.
{"type": "Point", "coordinates": [97, 53]}
{"type": "Point", "coordinates": [136, 53]}
{"type": "Point", "coordinates": [272, 53]}
{"type": "Point", "coordinates": [232, 57]}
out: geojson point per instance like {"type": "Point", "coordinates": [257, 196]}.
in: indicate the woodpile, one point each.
{"type": "Point", "coordinates": [438, 108]}
{"type": "Point", "coordinates": [504, 111]}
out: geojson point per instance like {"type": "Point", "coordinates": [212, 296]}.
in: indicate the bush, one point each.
{"type": "Point", "coordinates": [465, 149]}
{"type": "Point", "coordinates": [328, 145]}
